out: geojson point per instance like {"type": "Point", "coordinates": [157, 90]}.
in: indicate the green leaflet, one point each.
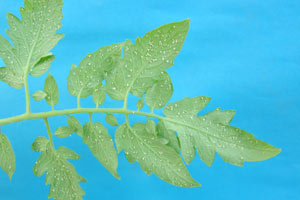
{"type": "Point", "coordinates": [32, 39]}
{"type": "Point", "coordinates": [75, 124]}
{"type": "Point", "coordinates": [83, 79]}
{"type": "Point", "coordinates": [212, 133]}
{"type": "Point", "coordinates": [152, 156]}
{"type": "Point", "coordinates": [99, 95]}
{"type": "Point", "coordinates": [101, 145]}
{"type": "Point", "coordinates": [51, 90]}
{"type": "Point", "coordinates": [160, 93]}
{"type": "Point", "coordinates": [168, 135]}
{"type": "Point", "coordinates": [64, 131]}
{"type": "Point", "coordinates": [111, 119]}
{"type": "Point", "coordinates": [140, 104]}
{"type": "Point", "coordinates": [67, 153]}
{"type": "Point", "coordinates": [7, 156]}
{"type": "Point", "coordinates": [39, 144]}
{"type": "Point", "coordinates": [39, 95]}
{"type": "Point", "coordinates": [144, 61]}
{"type": "Point", "coordinates": [60, 174]}
{"type": "Point", "coordinates": [150, 127]}
{"type": "Point", "coordinates": [42, 66]}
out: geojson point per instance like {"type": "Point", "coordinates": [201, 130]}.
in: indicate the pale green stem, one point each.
{"type": "Point", "coordinates": [48, 131]}
{"type": "Point", "coordinates": [78, 102]}
{"type": "Point", "coordinates": [27, 95]}
{"type": "Point", "coordinates": [91, 117]}
{"type": "Point", "coordinates": [30, 116]}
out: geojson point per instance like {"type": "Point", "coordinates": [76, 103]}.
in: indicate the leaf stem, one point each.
{"type": "Point", "coordinates": [48, 130]}
{"type": "Point", "coordinates": [91, 117]}
{"type": "Point", "coordinates": [78, 101]}
{"type": "Point", "coordinates": [27, 95]}
{"type": "Point", "coordinates": [41, 115]}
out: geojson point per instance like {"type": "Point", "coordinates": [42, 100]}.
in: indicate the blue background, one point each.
{"type": "Point", "coordinates": [243, 54]}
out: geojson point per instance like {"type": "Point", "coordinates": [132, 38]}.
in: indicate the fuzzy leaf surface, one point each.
{"type": "Point", "coordinates": [32, 37]}
{"type": "Point", "coordinates": [101, 145]}
{"type": "Point", "coordinates": [144, 61]}
{"type": "Point", "coordinates": [212, 133]}
{"type": "Point", "coordinates": [7, 156]}
{"type": "Point", "coordinates": [152, 156]}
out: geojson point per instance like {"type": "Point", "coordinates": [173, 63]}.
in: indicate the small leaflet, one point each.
{"type": "Point", "coordinates": [111, 119]}
{"type": "Point", "coordinates": [140, 104]}
{"type": "Point", "coordinates": [42, 66]}
{"type": "Point", "coordinates": [39, 144]}
{"type": "Point", "coordinates": [67, 153]}
{"type": "Point", "coordinates": [168, 135]}
{"type": "Point", "coordinates": [150, 127]}
{"type": "Point", "coordinates": [99, 95]}
{"type": "Point", "coordinates": [75, 125]}
{"type": "Point", "coordinates": [39, 95]}
{"type": "Point", "coordinates": [51, 90]}
{"type": "Point", "coordinates": [7, 156]}
{"type": "Point", "coordinates": [160, 93]}
{"type": "Point", "coordinates": [64, 131]}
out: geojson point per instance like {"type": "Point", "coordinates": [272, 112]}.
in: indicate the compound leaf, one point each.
{"type": "Point", "coordinates": [83, 79]}
{"type": "Point", "coordinates": [144, 61]}
{"type": "Point", "coordinates": [101, 145]}
{"type": "Point", "coordinates": [39, 95]}
{"type": "Point", "coordinates": [32, 37]}
{"type": "Point", "coordinates": [160, 93]}
{"type": "Point", "coordinates": [152, 156]}
{"type": "Point", "coordinates": [61, 175]}
{"type": "Point", "coordinates": [51, 90]}
{"type": "Point", "coordinates": [7, 156]}
{"type": "Point", "coordinates": [212, 133]}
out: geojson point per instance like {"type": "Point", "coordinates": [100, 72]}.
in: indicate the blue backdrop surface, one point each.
{"type": "Point", "coordinates": [243, 54]}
